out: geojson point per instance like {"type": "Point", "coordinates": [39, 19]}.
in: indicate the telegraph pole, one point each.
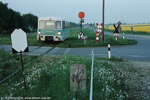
{"type": "Point", "coordinates": [103, 20]}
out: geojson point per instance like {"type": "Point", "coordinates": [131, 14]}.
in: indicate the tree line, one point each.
{"type": "Point", "coordinates": [10, 20]}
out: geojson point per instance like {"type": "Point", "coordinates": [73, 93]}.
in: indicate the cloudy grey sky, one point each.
{"type": "Point", "coordinates": [128, 11]}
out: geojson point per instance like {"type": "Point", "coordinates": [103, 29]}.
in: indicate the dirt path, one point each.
{"type": "Point", "coordinates": [138, 80]}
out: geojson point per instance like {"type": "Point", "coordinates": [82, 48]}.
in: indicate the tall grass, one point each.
{"type": "Point", "coordinates": [47, 78]}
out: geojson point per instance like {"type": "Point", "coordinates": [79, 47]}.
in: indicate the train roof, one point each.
{"type": "Point", "coordinates": [49, 18]}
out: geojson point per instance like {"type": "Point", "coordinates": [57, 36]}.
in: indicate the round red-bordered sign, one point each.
{"type": "Point", "coordinates": [81, 14]}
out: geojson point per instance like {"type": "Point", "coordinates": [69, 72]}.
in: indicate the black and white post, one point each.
{"type": "Point", "coordinates": [109, 53]}
{"type": "Point", "coordinates": [123, 36]}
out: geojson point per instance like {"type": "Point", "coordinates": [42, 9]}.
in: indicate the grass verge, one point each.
{"type": "Point", "coordinates": [10, 63]}
{"type": "Point", "coordinates": [47, 78]}
{"type": "Point", "coordinates": [74, 41]}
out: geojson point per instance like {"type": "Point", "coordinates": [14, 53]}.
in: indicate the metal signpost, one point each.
{"type": "Point", "coordinates": [19, 45]}
{"type": "Point", "coordinates": [131, 29]}
{"type": "Point", "coordinates": [81, 16]}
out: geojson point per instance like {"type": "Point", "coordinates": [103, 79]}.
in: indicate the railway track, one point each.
{"type": "Point", "coordinates": [25, 57]}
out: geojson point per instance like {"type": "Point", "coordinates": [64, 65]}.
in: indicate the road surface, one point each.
{"type": "Point", "coordinates": [139, 52]}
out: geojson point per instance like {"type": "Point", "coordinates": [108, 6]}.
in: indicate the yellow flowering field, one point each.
{"type": "Point", "coordinates": [136, 27]}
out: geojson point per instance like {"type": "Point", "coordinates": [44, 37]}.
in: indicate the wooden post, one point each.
{"type": "Point", "coordinates": [23, 71]}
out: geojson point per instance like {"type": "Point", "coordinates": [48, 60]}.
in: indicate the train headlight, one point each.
{"type": "Point", "coordinates": [59, 33]}
{"type": "Point", "coordinates": [39, 33]}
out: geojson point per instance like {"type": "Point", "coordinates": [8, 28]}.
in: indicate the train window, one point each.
{"type": "Point", "coordinates": [50, 24]}
{"type": "Point", "coordinates": [58, 25]}
{"type": "Point", "coordinates": [41, 24]}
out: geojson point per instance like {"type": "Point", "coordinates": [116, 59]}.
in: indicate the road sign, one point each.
{"type": "Point", "coordinates": [117, 28]}
{"type": "Point", "coordinates": [119, 23]}
{"type": "Point", "coordinates": [99, 30]}
{"type": "Point", "coordinates": [19, 41]}
{"type": "Point", "coordinates": [80, 35]}
{"type": "Point", "coordinates": [19, 45]}
{"type": "Point", "coordinates": [81, 14]}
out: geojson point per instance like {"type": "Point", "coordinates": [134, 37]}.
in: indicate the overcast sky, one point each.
{"type": "Point", "coordinates": [127, 11]}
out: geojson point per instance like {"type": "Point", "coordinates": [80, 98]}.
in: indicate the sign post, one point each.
{"type": "Point", "coordinates": [81, 16]}
{"type": "Point", "coordinates": [131, 29]}
{"type": "Point", "coordinates": [19, 45]}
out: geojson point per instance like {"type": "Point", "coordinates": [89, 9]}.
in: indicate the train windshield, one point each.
{"type": "Point", "coordinates": [50, 24]}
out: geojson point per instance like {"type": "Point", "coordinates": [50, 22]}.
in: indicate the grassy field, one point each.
{"type": "Point", "coordinates": [73, 40]}
{"type": "Point", "coordinates": [137, 29]}
{"type": "Point", "coordinates": [47, 78]}
{"type": "Point", "coordinates": [10, 63]}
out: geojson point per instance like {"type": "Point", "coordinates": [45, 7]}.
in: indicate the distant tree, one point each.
{"type": "Point", "coordinates": [3, 13]}
{"type": "Point", "coordinates": [72, 24]}
{"type": "Point", "coordinates": [10, 20]}
{"type": "Point", "coordinates": [30, 22]}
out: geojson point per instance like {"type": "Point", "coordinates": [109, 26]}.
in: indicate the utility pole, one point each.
{"type": "Point", "coordinates": [103, 20]}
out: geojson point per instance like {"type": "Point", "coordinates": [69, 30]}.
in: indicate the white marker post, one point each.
{"type": "Point", "coordinates": [109, 54]}
{"type": "Point", "coordinates": [91, 85]}
{"type": "Point", "coordinates": [123, 36]}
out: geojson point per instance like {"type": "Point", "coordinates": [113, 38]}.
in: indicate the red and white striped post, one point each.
{"type": "Point", "coordinates": [97, 36]}
{"type": "Point", "coordinates": [116, 37]}
{"type": "Point", "coordinates": [98, 31]}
